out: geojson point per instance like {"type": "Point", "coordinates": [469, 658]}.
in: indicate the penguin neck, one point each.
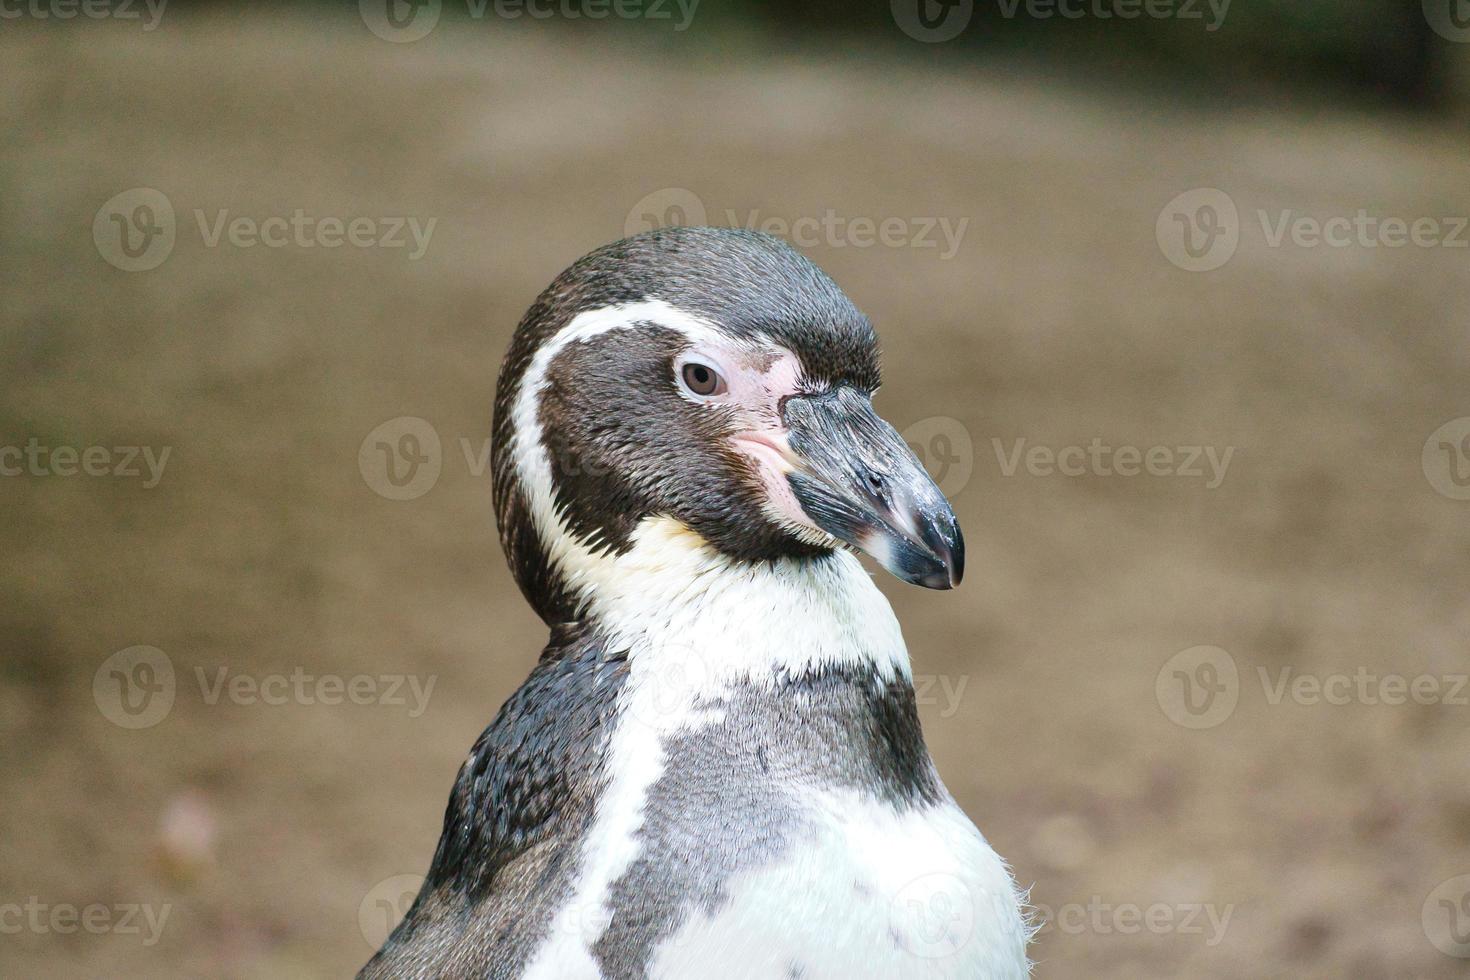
{"type": "Point", "coordinates": [700, 621]}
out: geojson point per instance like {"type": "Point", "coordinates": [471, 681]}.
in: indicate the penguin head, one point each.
{"type": "Point", "coordinates": [713, 378]}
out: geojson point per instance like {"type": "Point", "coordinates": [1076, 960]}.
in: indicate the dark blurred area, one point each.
{"type": "Point", "coordinates": [1383, 50]}
{"type": "Point", "coordinates": [1404, 53]}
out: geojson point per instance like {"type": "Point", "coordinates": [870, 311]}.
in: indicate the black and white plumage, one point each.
{"type": "Point", "coordinates": [716, 769]}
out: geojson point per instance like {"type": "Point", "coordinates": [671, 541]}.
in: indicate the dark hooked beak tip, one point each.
{"type": "Point", "coordinates": [945, 565]}
{"type": "Point", "coordinates": [858, 481]}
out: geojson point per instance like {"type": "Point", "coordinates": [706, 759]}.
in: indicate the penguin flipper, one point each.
{"type": "Point", "coordinates": [520, 804]}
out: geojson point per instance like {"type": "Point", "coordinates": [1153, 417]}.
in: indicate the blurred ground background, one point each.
{"type": "Point", "coordinates": [270, 835]}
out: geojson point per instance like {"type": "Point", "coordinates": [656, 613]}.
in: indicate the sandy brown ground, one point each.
{"type": "Point", "coordinates": [1320, 830]}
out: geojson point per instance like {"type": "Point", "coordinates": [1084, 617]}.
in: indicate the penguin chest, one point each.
{"type": "Point", "coordinates": [860, 889]}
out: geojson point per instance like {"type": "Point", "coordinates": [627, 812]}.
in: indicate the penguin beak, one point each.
{"type": "Point", "coordinates": [857, 480]}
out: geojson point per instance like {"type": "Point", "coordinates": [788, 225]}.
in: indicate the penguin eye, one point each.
{"type": "Point", "coordinates": [702, 379]}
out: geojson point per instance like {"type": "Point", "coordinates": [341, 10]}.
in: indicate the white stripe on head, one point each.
{"type": "Point", "coordinates": [564, 550]}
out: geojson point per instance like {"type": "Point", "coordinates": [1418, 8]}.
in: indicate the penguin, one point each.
{"type": "Point", "coordinates": [715, 770]}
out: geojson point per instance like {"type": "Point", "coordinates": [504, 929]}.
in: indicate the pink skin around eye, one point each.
{"type": "Point", "coordinates": [759, 388]}
{"type": "Point", "coordinates": [756, 381]}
